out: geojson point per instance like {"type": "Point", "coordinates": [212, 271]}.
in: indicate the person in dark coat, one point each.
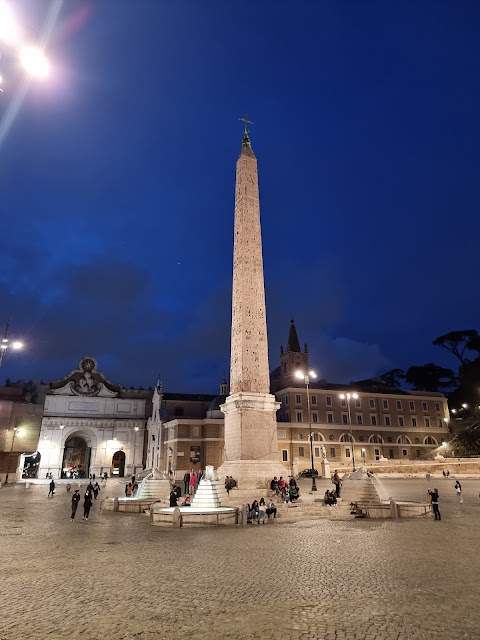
{"type": "Point", "coordinates": [96, 489]}
{"type": "Point", "coordinates": [186, 482]}
{"type": "Point", "coordinates": [75, 501]}
{"type": "Point", "coordinates": [173, 498]}
{"type": "Point", "coordinates": [52, 489]}
{"type": "Point", "coordinates": [434, 500]}
{"type": "Point", "coordinates": [87, 504]}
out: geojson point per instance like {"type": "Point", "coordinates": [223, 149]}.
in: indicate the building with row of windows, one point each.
{"type": "Point", "coordinates": [380, 424]}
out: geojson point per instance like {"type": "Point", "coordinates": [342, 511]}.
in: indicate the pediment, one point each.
{"type": "Point", "coordinates": [85, 381]}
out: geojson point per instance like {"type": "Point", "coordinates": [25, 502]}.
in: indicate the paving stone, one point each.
{"type": "Point", "coordinates": [116, 577]}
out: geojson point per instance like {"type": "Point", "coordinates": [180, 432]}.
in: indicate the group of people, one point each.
{"type": "Point", "coordinates": [90, 495]}
{"type": "Point", "coordinates": [446, 474]}
{"type": "Point", "coordinates": [259, 511]}
{"type": "Point", "coordinates": [230, 483]}
{"type": "Point", "coordinates": [330, 498]}
{"type": "Point", "coordinates": [288, 492]}
{"type": "Point", "coordinates": [190, 481]}
{"type": "Point", "coordinates": [131, 488]}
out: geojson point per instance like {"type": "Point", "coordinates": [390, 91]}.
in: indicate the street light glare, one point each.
{"type": "Point", "coordinates": [19, 433]}
{"type": "Point", "coordinates": [354, 396]}
{"type": "Point", "coordinates": [312, 374]}
{"type": "Point", "coordinates": [34, 61]}
{"type": "Point", "coordinates": [17, 345]}
{"type": "Point", "coordinates": [8, 26]}
{"type": "Point", "coordinates": [299, 374]}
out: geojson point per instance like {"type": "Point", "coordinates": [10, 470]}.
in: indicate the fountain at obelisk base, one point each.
{"type": "Point", "coordinates": [206, 506]}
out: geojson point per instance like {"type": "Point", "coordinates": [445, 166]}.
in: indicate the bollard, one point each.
{"type": "Point", "coordinates": [393, 509]}
{"type": "Point", "coordinates": [176, 518]}
{"type": "Point", "coordinates": [115, 504]}
{"type": "Point", "coordinates": [27, 485]}
{"type": "Point", "coordinates": [241, 519]}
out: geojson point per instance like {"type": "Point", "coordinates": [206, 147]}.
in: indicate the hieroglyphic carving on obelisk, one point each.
{"type": "Point", "coordinates": [251, 453]}
{"type": "Point", "coordinates": [249, 348]}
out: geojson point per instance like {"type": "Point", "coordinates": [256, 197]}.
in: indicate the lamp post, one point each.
{"type": "Point", "coordinates": [364, 451]}
{"type": "Point", "coordinates": [5, 344]}
{"type": "Point", "coordinates": [347, 397]}
{"type": "Point", "coordinates": [16, 432]}
{"type": "Point", "coordinates": [306, 379]}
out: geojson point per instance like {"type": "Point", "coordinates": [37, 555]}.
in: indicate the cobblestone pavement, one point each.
{"type": "Point", "coordinates": [116, 577]}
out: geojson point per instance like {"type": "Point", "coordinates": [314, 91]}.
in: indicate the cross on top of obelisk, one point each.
{"type": "Point", "coordinates": [246, 122]}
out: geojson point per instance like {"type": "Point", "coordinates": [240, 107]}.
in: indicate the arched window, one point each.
{"type": "Point", "coordinates": [346, 437]}
{"type": "Point", "coordinates": [429, 440]}
{"type": "Point", "coordinates": [375, 439]}
{"type": "Point", "coordinates": [318, 437]}
{"type": "Point", "coordinates": [403, 440]}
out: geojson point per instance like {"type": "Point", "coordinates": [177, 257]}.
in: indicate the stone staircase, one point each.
{"type": "Point", "coordinates": [210, 494]}
{"type": "Point", "coordinates": [359, 490]}
{"type": "Point", "coordinates": [153, 490]}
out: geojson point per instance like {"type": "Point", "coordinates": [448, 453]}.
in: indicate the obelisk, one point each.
{"type": "Point", "coordinates": [251, 452]}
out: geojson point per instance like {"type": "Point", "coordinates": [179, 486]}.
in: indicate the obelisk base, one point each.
{"type": "Point", "coordinates": [252, 476]}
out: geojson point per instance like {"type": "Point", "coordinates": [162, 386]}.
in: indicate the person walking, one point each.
{"type": "Point", "coordinates": [192, 483]}
{"type": "Point", "coordinates": [75, 501]}
{"type": "Point", "coordinates": [96, 489]}
{"type": "Point", "coordinates": [458, 489]}
{"type": "Point", "coordinates": [337, 482]}
{"type": "Point", "coordinates": [434, 500]}
{"type": "Point", "coordinates": [186, 482]}
{"type": "Point", "coordinates": [87, 504]}
{"type": "Point", "coordinates": [52, 489]}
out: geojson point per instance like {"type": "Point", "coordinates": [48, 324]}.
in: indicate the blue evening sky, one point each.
{"type": "Point", "coordinates": [117, 183]}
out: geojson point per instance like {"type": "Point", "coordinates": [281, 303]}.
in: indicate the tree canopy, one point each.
{"type": "Point", "coordinates": [467, 441]}
{"type": "Point", "coordinates": [457, 342]}
{"type": "Point", "coordinates": [430, 377]}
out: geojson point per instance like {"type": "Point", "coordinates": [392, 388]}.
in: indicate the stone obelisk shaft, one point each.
{"type": "Point", "coordinates": [249, 347]}
{"type": "Point", "coordinates": [251, 453]}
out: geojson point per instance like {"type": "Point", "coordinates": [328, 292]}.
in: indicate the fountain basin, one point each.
{"type": "Point", "coordinates": [192, 517]}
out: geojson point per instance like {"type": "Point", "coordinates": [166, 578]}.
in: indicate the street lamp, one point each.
{"type": "Point", "coordinates": [19, 433]}
{"type": "Point", "coordinates": [364, 451]}
{"type": "Point", "coordinates": [31, 57]}
{"type": "Point", "coordinates": [306, 379]}
{"type": "Point", "coordinates": [5, 344]}
{"type": "Point", "coordinates": [348, 397]}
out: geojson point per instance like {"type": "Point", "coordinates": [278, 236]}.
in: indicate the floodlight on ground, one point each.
{"type": "Point", "coordinates": [34, 61]}
{"type": "Point", "coordinates": [19, 433]}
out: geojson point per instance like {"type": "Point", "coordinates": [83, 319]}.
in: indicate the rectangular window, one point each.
{"type": "Point", "coordinates": [385, 404]}
{"type": "Point", "coordinates": [371, 403]}
{"type": "Point", "coordinates": [344, 418]}
{"type": "Point", "coordinates": [414, 422]}
{"type": "Point", "coordinates": [437, 406]}
{"type": "Point", "coordinates": [287, 400]}
{"type": "Point", "coordinates": [301, 452]}
{"type": "Point", "coordinates": [424, 406]}
{"type": "Point", "coordinates": [401, 421]}
{"type": "Point", "coordinates": [299, 416]}
{"type": "Point", "coordinates": [328, 401]}
{"type": "Point", "coordinates": [404, 453]}
{"type": "Point", "coordinates": [390, 453]}
{"type": "Point", "coordinates": [419, 453]}
{"type": "Point", "coordinates": [373, 421]}
{"type": "Point", "coordinates": [388, 422]}
{"type": "Point", "coordinates": [332, 452]}
{"type": "Point", "coordinates": [427, 422]}
{"type": "Point", "coordinates": [440, 423]}
{"type": "Point", "coordinates": [359, 418]}
{"type": "Point", "coordinates": [316, 452]}
{"type": "Point", "coordinates": [329, 418]}
{"type": "Point", "coordinates": [285, 455]}
{"type": "Point", "coordinates": [343, 402]}
{"type": "Point", "coordinates": [399, 405]}
{"type": "Point", "coordinates": [313, 399]}
{"type": "Point", "coordinates": [411, 405]}
{"type": "Point", "coordinates": [298, 398]}
{"type": "Point", "coordinates": [287, 416]}
{"type": "Point", "coordinates": [314, 416]}
{"type": "Point", "coordinates": [347, 452]}
{"type": "Point", "coordinates": [376, 453]}
{"type": "Point", "coordinates": [358, 403]}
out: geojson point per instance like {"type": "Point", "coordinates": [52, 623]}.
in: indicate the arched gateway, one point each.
{"type": "Point", "coordinates": [76, 457]}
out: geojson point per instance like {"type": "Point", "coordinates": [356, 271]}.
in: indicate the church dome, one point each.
{"type": "Point", "coordinates": [214, 407]}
